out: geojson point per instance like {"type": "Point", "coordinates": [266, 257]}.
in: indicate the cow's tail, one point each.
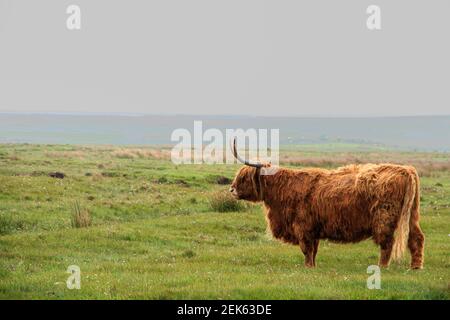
{"type": "Point", "coordinates": [411, 199]}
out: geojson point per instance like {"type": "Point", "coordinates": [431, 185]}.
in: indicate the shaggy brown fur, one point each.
{"type": "Point", "coordinates": [345, 205]}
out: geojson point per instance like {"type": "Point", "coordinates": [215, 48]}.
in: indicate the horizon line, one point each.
{"type": "Point", "coordinates": [143, 114]}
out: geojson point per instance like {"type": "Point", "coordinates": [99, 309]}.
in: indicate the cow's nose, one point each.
{"type": "Point", "coordinates": [231, 189]}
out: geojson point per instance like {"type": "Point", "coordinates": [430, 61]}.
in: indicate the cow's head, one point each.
{"type": "Point", "coordinates": [247, 182]}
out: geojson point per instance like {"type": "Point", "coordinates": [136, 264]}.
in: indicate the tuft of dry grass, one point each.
{"type": "Point", "coordinates": [432, 169]}
{"type": "Point", "coordinates": [77, 154]}
{"type": "Point", "coordinates": [81, 218]}
{"type": "Point", "coordinates": [126, 153]}
{"type": "Point", "coordinates": [223, 201]}
{"type": "Point", "coordinates": [96, 177]}
{"type": "Point", "coordinates": [13, 157]}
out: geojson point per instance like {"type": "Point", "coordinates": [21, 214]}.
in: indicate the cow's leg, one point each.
{"type": "Point", "coordinates": [386, 250]}
{"type": "Point", "coordinates": [307, 247]}
{"type": "Point", "coordinates": [383, 233]}
{"type": "Point", "coordinates": [316, 248]}
{"type": "Point", "coordinates": [415, 244]}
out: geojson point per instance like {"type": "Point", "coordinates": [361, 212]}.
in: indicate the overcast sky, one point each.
{"type": "Point", "coordinates": [226, 57]}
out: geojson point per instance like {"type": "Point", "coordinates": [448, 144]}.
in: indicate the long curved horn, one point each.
{"type": "Point", "coordinates": [246, 162]}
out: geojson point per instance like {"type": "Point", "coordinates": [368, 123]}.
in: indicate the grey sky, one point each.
{"type": "Point", "coordinates": [226, 57]}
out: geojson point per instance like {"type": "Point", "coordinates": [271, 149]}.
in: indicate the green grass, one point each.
{"type": "Point", "coordinates": [154, 236]}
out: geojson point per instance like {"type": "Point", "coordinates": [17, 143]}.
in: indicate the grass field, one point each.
{"type": "Point", "coordinates": [154, 234]}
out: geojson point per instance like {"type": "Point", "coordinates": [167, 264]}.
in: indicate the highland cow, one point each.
{"type": "Point", "coordinates": [346, 205]}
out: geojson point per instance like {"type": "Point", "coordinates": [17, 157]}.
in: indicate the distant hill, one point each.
{"type": "Point", "coordinates": [427, 133]}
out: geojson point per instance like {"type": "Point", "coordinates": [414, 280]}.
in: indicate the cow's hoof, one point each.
{"type": "Point", "coordinates": [417, 267]}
